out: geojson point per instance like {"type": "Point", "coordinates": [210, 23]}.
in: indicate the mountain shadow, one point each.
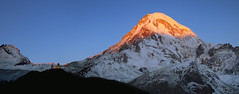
{"type": "Point", "coordinates": [57, 80]}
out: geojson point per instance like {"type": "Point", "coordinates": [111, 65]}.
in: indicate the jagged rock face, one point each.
{"type": "Point", "coordinates": [236, 50]}
{"type": "Point", "coordinates": [224, 47]}
{"type": "Point", "coordinates": [10, 55]}
{"type": "Point", "coordinates": [187, 78]}
{"type": "Point", "coordinates": [223, 59]}
{"type": "Point", "coordinates": [200, 50]}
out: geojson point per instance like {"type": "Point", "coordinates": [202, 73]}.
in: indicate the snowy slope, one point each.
{"type": "Point", "coordinates": [223, 59]}
{"type": "Point", "coordinates": [185, 78]}
{"type": "Point", "coordinates": [232, 80]}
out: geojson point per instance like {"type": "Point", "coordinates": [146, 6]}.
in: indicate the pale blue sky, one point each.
{"type": "Point", "coordinates": [62, 31]}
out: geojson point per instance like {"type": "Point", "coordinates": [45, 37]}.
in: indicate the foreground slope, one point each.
{"type": "Point", "coordinates": [58, 81]}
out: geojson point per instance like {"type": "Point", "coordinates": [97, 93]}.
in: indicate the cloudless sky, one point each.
{"type": "Point", "coordinates": [62, 31]}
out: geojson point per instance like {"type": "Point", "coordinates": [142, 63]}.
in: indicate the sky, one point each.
{"type": "Point", "coordinates": [62, 31]}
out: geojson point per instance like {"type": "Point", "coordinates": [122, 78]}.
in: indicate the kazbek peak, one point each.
{"type": "Point", "coordinates": [161, 24]}
{"type": "Point", "coordinates": [156, 23]}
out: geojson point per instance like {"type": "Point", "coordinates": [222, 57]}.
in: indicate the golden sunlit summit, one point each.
{"type": "Point", "coordinates": [156, 23]}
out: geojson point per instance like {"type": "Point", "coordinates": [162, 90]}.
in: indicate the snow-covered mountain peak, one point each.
{"type": "Point", "coordinates": [11, 58]}
{"type": "Point", "coordinates": [11, 55]}
{"type": "Point", "coordinates": [156, 23]}
{"type": "Point", "coordinates": [156, 41]}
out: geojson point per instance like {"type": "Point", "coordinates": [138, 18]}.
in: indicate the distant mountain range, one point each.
{"type": "Point", "coordinates": [158, 55]}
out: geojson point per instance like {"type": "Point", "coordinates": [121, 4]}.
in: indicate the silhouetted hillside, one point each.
{"type": "Point", "coordinates": [58, 80]}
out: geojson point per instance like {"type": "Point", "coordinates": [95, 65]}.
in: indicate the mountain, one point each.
{"type": "Point", "coordinates": [11, 58]}
{"type": "Point", "coordinates": [13, 64]}
{"type": "Point", "coordinates": [156, 41]}
{"type": "Point", "coordinates": [58, 81]}
{"type": "Point", "coordinates": [160, 55]}
{"type": "Point", "coordinates": [10, 55]}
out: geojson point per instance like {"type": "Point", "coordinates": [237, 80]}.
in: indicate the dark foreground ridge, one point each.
{"type": "Point", "coordinates": [57, 80]}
